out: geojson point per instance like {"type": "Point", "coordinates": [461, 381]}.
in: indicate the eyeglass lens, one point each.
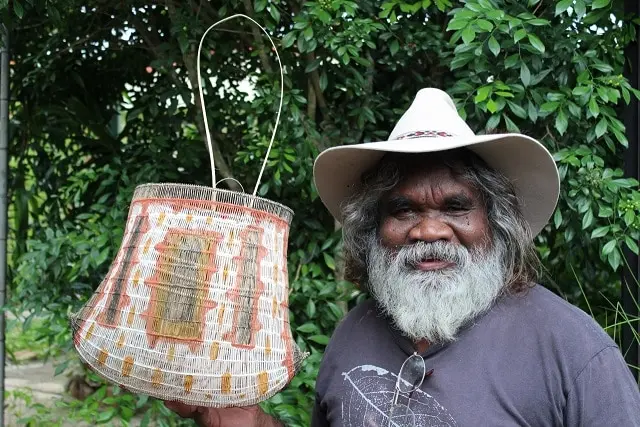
{"type": "Point", "coordinates": [412, 374]}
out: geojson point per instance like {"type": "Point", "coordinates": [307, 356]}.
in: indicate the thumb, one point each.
{"type": "Point", "coordinates": [182, 409]}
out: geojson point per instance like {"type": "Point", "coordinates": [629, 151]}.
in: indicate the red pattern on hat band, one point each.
{"type": "Point", "coordinates": [424, 134]}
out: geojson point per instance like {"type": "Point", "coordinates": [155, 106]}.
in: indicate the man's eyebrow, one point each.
{"type": "Point", "coordinates": [459, 199]}
{"type": "Point", "coordinates": [397, 199]}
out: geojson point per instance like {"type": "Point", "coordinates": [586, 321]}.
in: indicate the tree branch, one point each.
{"type": "Point", "coordinates": [315, 81]}
{"type": "Point", "coordinates": [257, 36]}
{"type": "Point", "coordinates": [311, 101]}
{"type": "Point", "coordinates": [369, 91]}
{"type": "Point", "coordinates": [190, 63]}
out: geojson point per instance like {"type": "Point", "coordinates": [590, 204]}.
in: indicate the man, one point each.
{"type": "Point", "coordinates": [438, 226]}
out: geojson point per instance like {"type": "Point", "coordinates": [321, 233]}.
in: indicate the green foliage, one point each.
{"type": "Point", "coordinates": [102, 101]}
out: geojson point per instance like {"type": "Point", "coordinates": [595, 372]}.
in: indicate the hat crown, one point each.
{"type": "Point", "coordinates": [431, 114]}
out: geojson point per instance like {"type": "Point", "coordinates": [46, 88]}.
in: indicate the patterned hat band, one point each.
{"type": "Point", "coordinates": [424, 134]}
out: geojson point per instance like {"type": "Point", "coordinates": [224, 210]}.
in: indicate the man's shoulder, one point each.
{"type": "Point", "coordinates": [545, 316]}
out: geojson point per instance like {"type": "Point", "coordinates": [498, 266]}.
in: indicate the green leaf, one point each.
{"type": "Point", "coordinates": [105, 416]}
{"type": "Point", "coordinates": [517, 110]}
{"type": "Point", "coordinates": [631, 244]}
{"type": "Point", "coordinates": [525, 74]}
{"type": "Point", "coordinates": [600, 232]}
{"type": "Point", "coordinates": [308, 33]}
{"type": "Point", "coordinates": [495, 14]}
{"type": "Point", "coordinates": [605, 212]}
{"type": "Point", "coordinates": [457, 24]}
{"type": "Point", "coordinates": [562, 6]}
{"type": "Point", "coordinates": [313, 65]}
{"type": "Point", "coordinates": [536, 42]}
{"type": "Point", "coordinates": [539, 22]}
{"type": "Point", "coordinates": [539, 77]}
{"type": "Point", "coordinates": [629, 217]}
{"type": "Point", "coordinates": [519, 35]}
{"type": "Point", "coordinates": [599, 4]}
{"type": "Point", "coordinates": [323, 81]}
{"type": "Point", "coordinates": [601, 127]}
{"type": "Point", "coordinates": [146, 419]}
{"type": "Point", "coordinates": [493, 122]}
{"type": "Point", "coordinates": [468, 35]}
{"type": "Point", "coordinates": [614, 259]}
{"type": "Point", "coordinates": [605, 68]}
{"type": "Point", "coordinates": [183, 41]}
{"type": "Point", "coordinates": [580, 8]}
{"type": "Point", "coordinates": [323, 16]}
{"type": "Point", "coordinates": [562, 122]}
{"type": "Point", "coordinates": [593, 107]}
{"type": "Point", "coordinates": [259, 5]}
{"type": "Point", "coordinates": [587, 219]}
{"type": "Point", "coordinates": [311, 308]}
{"type": "Point", "coordinates": [581, 90]}
{"type": "Point", "coordinates": [307, 328]}
{"type": "Point", "coordinates": [289, 39]}
{"type": "Point", "coordinates": [320, 339]}
{"type": "Point", "coordinates": [492, 106]}
{"type": "Point", "coordinates": [532, 112]}
{"type": "Point", "coordinates": [494, 46]}
{"type": "Point", "coordinates": [511, 126]}
{"type": "Point", "coordinates": [484, 25]}
{"type": "Point", "coordinates": [60, 368]}
{"type": "Point", "coordinates": [549, 107]}
{"type": "Point", "coordinates": [275, 13]}
{"type": "Point", "coordinates": [557, 218]}
{"type": "Point", "coordinates": [328, 259]}
{"type": "Point", "coordinates": [609, 247]}
{"type": "Point", "coordinates": [461, 61]}
{"type": "Point", "coordinates": [394, 46]}
{"type": "Point", "coordinates": [18, 9]}
{"type": "Point", "coordinates": [483, 94]}
{"type": "Point", "coordinates": [511, 61]}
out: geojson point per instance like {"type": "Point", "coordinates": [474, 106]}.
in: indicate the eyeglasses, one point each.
{"type": "Point", "coordinates": [411, 376]}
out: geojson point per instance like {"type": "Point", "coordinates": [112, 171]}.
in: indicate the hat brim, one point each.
{"type": "Point", "coordinates": [523, 160]}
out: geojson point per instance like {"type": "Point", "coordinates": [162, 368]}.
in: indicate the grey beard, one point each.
{"type": "Point", "coordinates": [434, 305]}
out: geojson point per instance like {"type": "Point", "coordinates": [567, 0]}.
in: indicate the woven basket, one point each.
{"type": "Point", "coordinates": [194, 306]}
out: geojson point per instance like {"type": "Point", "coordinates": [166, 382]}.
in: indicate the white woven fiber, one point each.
{"type": "Point", "coordinates": [195, 305]}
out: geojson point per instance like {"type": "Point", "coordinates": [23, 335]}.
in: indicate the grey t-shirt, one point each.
{"type": "Point", "coordinates": [533, 360]}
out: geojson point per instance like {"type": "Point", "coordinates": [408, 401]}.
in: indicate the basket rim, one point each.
{"type": "Point", "coordinates": [215, 190]}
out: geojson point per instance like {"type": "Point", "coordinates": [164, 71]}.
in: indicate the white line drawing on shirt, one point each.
{"type": "Point", "coordinates": [369, 400]}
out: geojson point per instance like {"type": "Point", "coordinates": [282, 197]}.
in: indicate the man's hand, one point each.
{"type": "Point", "coordinates": [250, 416]}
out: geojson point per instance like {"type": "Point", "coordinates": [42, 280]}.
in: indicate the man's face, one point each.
{"type": "Point", "coordinates": [433, 264]}
{"type": "Point", "coordinates": [434, 205]}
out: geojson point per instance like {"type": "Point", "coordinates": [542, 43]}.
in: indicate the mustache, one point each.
{"type": "Point", "coordinates": [411, 255]}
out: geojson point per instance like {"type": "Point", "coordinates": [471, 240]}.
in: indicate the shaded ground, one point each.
{"type": "Point", "coordinates": [38, 379]}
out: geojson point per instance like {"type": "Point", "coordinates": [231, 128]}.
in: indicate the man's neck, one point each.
{"type": "Point", "coordinates": [421, 346]}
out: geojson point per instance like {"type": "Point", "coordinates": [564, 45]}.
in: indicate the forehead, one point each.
{"type": "Point", "coordinates": [437, 173]}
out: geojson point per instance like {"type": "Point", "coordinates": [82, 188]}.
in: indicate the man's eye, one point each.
{"type": "Point", "coordinates": [401, 210]}
{"type": "Point", "coordinates": [458, 208]}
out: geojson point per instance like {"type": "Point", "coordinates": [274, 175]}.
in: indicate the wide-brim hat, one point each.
{"type": "Point", "coordinates": [433, 124]}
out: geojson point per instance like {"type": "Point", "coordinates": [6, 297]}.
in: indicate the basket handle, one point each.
{"type": "Point", "coordinates": [204, 111]}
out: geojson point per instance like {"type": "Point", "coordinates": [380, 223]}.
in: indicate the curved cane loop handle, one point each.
{"type": "Point", "coordinates": [204, 111]}
{"type": "Point", "coordinates": [231, 179]}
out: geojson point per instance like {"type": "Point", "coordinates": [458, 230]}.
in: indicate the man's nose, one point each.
{"type": "Point", "coordinates": [431, 229]}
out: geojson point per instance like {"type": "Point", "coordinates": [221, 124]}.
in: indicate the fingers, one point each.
{"type": "Point", "coordinates": [182, 409]}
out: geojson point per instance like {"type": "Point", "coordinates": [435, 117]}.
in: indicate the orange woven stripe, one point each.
{"type": "Point", "coordinates": [127, 366]}
{"type": "Point", "coordinates": [263, 383]}
{"type": "Point", "coordinates": [226, 383]}
{"type": "Point", "coordinates": [156, 378]}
